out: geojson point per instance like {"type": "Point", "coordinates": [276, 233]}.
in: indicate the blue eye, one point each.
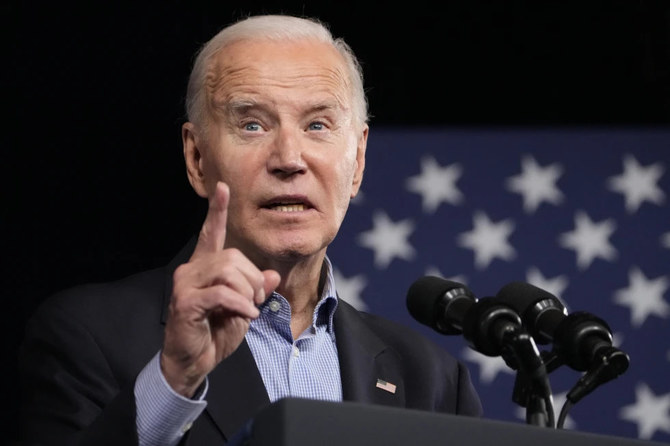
{"type": "Point", "coordinates": [252, 126]}
{"type": "Point", "coordinates": [316, 126]}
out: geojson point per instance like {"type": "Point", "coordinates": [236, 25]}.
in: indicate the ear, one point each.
{"type": "Point", "coordinates": [193, 158]}
{"type": "Point", "coordinates": [360, 161]}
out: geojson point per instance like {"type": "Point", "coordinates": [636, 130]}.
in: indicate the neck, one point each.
{"type": "Point", "coordinates": [302, 285]}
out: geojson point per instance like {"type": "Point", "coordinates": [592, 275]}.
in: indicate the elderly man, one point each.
{"type": "Point", "coordinates": [248, 313]}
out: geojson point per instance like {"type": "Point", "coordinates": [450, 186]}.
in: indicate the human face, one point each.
{"type": "Point", "coordinates": [281, 134]}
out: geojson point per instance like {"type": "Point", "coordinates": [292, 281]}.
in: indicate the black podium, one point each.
{"type": "Point", "coordinates": [300, 422]}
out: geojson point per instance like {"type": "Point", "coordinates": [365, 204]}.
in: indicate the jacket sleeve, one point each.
{"type": "Point", "coordinates": [69, 394]}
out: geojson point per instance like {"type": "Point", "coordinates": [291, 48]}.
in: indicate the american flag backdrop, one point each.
{"type": "Point", "coordinates": [582, 213]}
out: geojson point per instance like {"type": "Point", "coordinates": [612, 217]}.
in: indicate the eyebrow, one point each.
{"type": "Point", "coordinates": [324, 106]}
{"type": "Point", "coordinates": [243, 106]}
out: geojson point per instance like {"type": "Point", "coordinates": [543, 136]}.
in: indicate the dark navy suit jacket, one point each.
{"type": "Point", "coordinates": [85, 346]}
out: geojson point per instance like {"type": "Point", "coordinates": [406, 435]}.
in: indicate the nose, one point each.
{"type": "Point", "coordinates": [286, 155]}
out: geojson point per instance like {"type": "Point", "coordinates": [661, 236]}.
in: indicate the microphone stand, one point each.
{"type": "Point", "coordinates": [494, 329]}
{"type": "Point", "coordinates": [531, 389]}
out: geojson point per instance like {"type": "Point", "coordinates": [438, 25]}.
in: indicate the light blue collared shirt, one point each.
{"type": "Point", "coordinates": [306, 367]}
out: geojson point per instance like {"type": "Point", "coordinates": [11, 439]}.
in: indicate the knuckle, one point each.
{"type": "Point", "coordinates": [180, 272]}
{"type": "Point", "coordinates": [182, 285]}
{"type": "Point", "coordinates": [233, 254]}
{"type": "Point", "coordinates": [228, 272]}
{"type": "Point", "coordinates": [178, 303]}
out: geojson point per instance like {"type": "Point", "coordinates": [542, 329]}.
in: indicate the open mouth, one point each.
{"type": "Point", "coordinates": [287, 203]}
{"type": "Point", "coordinates": [288, 207]}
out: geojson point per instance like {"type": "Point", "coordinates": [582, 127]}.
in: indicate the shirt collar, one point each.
{"type": "Point", "coordinates": [325, 308]}
{"type": "Point", "coordinates": [324, 311]}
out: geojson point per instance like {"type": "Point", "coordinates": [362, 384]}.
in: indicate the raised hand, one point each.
{"type": "Point", "coordinates": [214, 298]}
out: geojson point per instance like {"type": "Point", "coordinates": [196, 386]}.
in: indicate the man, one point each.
{"type": "Point", "coordinates": [248, 313]}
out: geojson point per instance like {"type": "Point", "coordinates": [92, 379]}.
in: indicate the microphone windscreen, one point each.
{"type": "Point", "coordinates": [540, 310]}
{"type": "Point", "coordinates": [425, 294]}
{"type": "Point", "coordinates": [522, 295]}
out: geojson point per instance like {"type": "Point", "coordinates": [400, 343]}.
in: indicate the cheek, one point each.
{"type": "Point", "coordinates": [343, 184]}
{"type": "Point", "coordinates": [216, 170]}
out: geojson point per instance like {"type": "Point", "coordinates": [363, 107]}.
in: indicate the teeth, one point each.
{"type": "Point", "coordinates": [289, 207]}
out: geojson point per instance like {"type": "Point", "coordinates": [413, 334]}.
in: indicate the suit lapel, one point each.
{"type": "Point", "coordinates": [236, 391]}
{"type": "Point", "coordinates": [365, 361]}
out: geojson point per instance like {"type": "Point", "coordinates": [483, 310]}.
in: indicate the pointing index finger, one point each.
{"type": "Point", "coordinates": [213, 232]}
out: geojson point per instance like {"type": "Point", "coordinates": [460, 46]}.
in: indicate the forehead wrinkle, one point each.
{"type": "Point", "coordinates": [219, 79]}
{"type": "Point", "coordinates": [227, 83]}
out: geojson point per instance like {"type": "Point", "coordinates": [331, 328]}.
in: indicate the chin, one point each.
{"type": "Point", "coordinates": [294, 250]}
{"type": "Point", "coordinates": [289, 255]}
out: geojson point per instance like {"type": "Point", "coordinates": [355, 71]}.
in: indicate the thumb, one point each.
{"type": "Point", "coordinates": [271, 279]}
{"type": "Point", "coordinates": [271, 282]}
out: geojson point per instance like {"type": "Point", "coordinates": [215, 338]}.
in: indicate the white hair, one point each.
{"type": "Point", "coordinates": [272, 27]}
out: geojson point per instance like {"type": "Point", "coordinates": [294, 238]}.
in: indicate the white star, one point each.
{"type": "Point", "coordinates": [388, 239]}
{"type": "Point", "coordinates": [349, 289]}
{"type": "Point", "coordinates": [559, 400]}
{"type": "Point", "coordinates": [643, 296]}
{"type": "Point", "coordinates": [555, 286]}
{"type": "Point", "coordinates": [436, 184]}
{"type": "Point", "coordinates": [434, 271]}
{"type": "Point", "coordinates": [488, 240]}
{"type": "Point", "coordinates": [617, 339]}
{"type": "Point", "coordinates": [589, 240]}
{"type": "Point", "coordinates": [638, 183]}
{"type": "Point", "coordinates": [489, 366]}
{"type": "Point", "coordinates": [665, 240]}
{"type": "Point", "coordinates": [651, 413]}
{"type": "Point", "coordinates": [359, 199]}
{"type": "Point", "coordinates": [536, 184]}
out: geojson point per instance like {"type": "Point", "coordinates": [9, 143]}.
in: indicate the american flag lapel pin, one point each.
{"type": "Point", "coordinates": [381, 384]}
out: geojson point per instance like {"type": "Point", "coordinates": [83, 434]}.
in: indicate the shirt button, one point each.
{"type": "Point", "coordinates": [274, 306]}
{"type": "Point", "coordinates": [296, 352]}
{"type": "Point", "coordinates": [186, 428]}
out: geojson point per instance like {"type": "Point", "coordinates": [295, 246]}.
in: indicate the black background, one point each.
{"type": "Point", "coordinates": [93, 180]}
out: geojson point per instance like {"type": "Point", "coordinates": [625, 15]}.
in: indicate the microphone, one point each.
{"type": "Point", "coordinates": [580, 339]}
{"type": "Point", "coordinates": [450, 308]}
{"type": "Point", "coordinates": [490, 327]}
{"type": "Point", "coordinates": [439, 303]}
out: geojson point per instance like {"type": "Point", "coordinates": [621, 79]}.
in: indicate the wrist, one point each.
{"type": "Point", "coordinates": [184, 380]}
